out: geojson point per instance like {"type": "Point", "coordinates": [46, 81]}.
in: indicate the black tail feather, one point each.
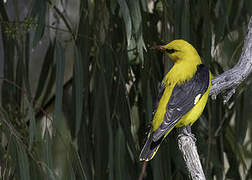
{"type": "Point", "coordinates": [150, 148]}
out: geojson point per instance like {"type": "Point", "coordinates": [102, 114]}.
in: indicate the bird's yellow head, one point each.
{"type": "Point", "coordinates": [179, 50]}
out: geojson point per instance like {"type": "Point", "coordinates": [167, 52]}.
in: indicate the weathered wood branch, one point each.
{"type": "Point", "coordinates": [190, 154]}
{"type": "Point", "coordinates": [226, 83]}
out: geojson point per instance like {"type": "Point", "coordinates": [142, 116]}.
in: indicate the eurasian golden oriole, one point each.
{"type": "Point", "coordinates": [182, 95]}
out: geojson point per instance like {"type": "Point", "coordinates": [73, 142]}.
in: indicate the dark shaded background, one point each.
{"type": "Point", "coordinates": [78, 84]}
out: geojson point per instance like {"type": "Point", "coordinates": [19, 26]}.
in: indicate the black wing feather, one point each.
{"type": "Point", "coordinates": [161, 88]}
{"type": "Point", "coordinates": [182, 100]}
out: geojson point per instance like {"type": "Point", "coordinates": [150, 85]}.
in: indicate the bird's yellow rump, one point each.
{"type": "Point", "coordinates": [182, 96]}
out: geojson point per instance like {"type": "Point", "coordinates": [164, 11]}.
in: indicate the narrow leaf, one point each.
{"type": "Point", "coordinates": [26, 65]}
{"type": "Point", "coordinates": [7, 90]}
{"type": "Point", "coordinates": [185, 21]}
{"type": "Point", "coordinates": [136, 17]}
{"type": "Point", "coordinates": [39, 12]}
{"type": "Point", "coordinates": [44, 74]}
{"type": "Point", "coordinates": [23, 162]}
{"type": "Point", "coordinates": [77, 164]}
{"type": "Point", "coordinates": [19, 78]}
{"type": "Point", "coordinates": [100, 130]}
{"type": "Point", "coordinates": [32, 127]}
{"type": "Point", "coordinates": [77, 90]}
{"type": "Point", "coordinates": [47, 153]}
{"type": "Point", "coordinates": [8, 127]}
{"type": "Point", "coordinates": [120, 149]}
{"type": "Point", "coordinates": [60, 66]}
{"type": "Point", "coordinates": [50, 85]}
{"type": "Point", "coordinates": [110, 131]}
{"type": "Point", "coordinates": [126, 18]}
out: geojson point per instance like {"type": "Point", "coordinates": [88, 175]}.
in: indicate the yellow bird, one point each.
{"type": "Point", "coordinates": [182, 96]}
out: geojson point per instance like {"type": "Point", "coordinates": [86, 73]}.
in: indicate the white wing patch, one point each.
{"type": "Point", "coordinates": [197, 98]}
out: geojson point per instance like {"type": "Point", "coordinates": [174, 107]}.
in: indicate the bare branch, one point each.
{"type": "Point", "coordinates": [228, 81]}
{"type": "Point", "coordinates": [225, 83]}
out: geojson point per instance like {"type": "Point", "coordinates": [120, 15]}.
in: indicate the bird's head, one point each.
{"type": "Point", "coordinates": [178, 50]}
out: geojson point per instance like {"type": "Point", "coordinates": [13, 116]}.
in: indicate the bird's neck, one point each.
{"type": "Point", "coordinates": [180, 72]}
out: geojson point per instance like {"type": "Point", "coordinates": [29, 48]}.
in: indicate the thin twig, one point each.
{"type": "Point", "coordinates": [63, 18]}
{"type": "Point", "coordinates": [143, 171]}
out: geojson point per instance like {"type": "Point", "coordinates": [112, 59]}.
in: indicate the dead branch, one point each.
{"type": "Point", "coordinates": [225, 83]}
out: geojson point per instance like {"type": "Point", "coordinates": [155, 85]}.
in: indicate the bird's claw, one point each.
{"type": "Point", "coordinates": [187, 132]}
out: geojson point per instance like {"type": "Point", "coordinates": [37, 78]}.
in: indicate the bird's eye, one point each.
{"type": "Point", "coordinates": [170, 51]}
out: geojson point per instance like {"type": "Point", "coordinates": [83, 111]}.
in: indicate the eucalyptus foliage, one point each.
{"type": "Point", "coordinates": [79, 80]}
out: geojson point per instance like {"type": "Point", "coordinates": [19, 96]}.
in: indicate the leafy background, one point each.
{"type": "Point", "coordinates": [79, 80]}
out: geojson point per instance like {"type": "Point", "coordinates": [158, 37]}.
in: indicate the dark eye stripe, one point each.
{"type": "Point", "coordinates": [170, 51]}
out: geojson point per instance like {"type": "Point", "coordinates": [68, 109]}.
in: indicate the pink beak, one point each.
{"type": "Point", "coordinates": [159, 48]}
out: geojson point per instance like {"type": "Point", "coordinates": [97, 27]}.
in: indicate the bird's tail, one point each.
{"type": "Point", "coordinates": [150, 148]}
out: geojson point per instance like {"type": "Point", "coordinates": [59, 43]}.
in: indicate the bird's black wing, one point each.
{"type": "Point", "coordinates": [161, 88]}
{"type": "Point", "coordinates": [183, 99]}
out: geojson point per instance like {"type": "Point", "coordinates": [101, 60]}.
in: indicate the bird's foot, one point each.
{"type": "Point", "coordinates": [186, 131]}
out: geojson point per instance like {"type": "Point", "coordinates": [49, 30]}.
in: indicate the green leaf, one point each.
{"type": "Point", "coordinates": [8, 126]}
{"type": "Point", "coordinates": [125, 117]}
{"type": "Point", "coordinates": [127, 19]}
{"type": "Point", "coordinates": [23, 162]}
{"type": "Point", "coordinates": [13, 154]}
{"type": "Point", "coordinates": [241, 123]}
{"type": "Point", "coordinates": [78, 90]}
{"type": "Point", "coordinates": [77, 165]}
{"type": "Point", "coordinates": [39, 12]}
{"type": "Point", "coordinates": [185, 21]}
{"type": "Point", "coordinates": [178, 7]}
{"type": "Point", "coordinates": [220, 21]}
{"type": "Point", "coordinates": [235, 147]}
{"type": "Point", "coordinates": [109, 125]}
{"type": "Point", "coordinates": [47, 154]}
{"type": "Point", "coordinates": [45, 71]}
{"type": "Point", "coordinates": [60, 67]}
{"type": "Point", "coordinates": [100, 130]}
{"type": "Point", "coordinates": [9, 54]}
{"type": "Point", "coordinates": [85, 153]}
{"type": "Point", "coordinates": [50, 175]}
{"type": "Point", "coordinates": [72, 174]}
{"type": "Point", "coordinates": [32, 127]}
{"type": "Point", "coordinates": [19, 78]}
{"type": "Point", "coordinates": [136, 17]}
{"type": "Point", "coordinates": [50, 85]}
{"type": "Point", "coordinates": [157, 169]}
{"type": "Point", "coordinates": [113, 6]}
{"type": "Point", "coordinates": [36, 171]}
{"type": "Point", "coordinates": [26, 65]}
{"type": "Point", "coordinates": [144, 5]}
{"type": "Point", "coordinates": [249, 174]}
{"type": "Point", "coordinates": [120, 154]}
